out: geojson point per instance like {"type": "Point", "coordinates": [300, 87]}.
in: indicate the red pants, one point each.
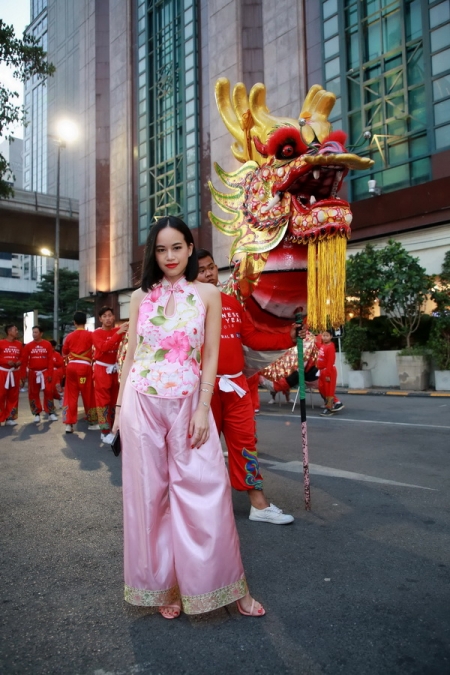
{"type": "Point", "coordinates": [233, 416]}
{"type": "Point", "coordinates": [106, 389]}
{"type": "Point", "coordinates": [34, 394]}
{"type": "Point", "coordinates": [327, 388]}
{"type": "Point", "coordinates": [9, 398]}
{"type": "Point", "coordinates": [78, 381]}
{"type": "Point", "coordinates": [58, 374]}
{"type": "Point", "coordinates": [253, 384]}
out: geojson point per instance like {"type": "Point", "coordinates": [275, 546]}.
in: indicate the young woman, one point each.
{"type": "Point", "coordinates": [181, 545]}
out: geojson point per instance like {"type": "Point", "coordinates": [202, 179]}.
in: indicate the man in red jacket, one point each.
{"type": "Point", "coordinates": [232, 405]}
{"type": "Point", "coordinates": [106, 341]}
{"type": "Point", "coordinates": [37, 359]}
{"type": "Point", "coordinates": [77, 348]}
{"type": "Point", "coordinates": [10, 361]}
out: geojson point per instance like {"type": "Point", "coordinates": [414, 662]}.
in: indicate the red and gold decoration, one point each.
{"type": "Point", "coordinates": [290, 228]}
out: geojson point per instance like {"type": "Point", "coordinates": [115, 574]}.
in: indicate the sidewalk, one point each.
{"type": "Point", "coordinates": [381, 391]}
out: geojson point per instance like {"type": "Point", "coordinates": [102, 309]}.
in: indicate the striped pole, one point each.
{"type": "Point", "coordinates": [304, 428]}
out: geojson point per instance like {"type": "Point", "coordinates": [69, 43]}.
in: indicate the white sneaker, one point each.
{"type": "Point", "coordinates": [94, 427]}
{"type": "Point", "coordinates": [107, 438]}
{"type": "Point", "coordinates": [37, 418]}
{"type": "Point", "coordinates": [69, 428]}
{"type": "Point", "coordinates": [11, 423]}
{"type": "Point", "coordinates": [271, 514]}
{"type": "Point", "coordinates": [53, 417]}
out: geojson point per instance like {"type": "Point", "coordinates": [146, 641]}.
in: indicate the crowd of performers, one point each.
{"type": "Point", "coordinates": [87, 366]}
{"type": "Point", "coordinates": [159, 405]}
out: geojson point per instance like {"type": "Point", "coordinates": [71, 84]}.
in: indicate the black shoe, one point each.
{"type": "Point", "coordinates": [338, 406]}
{"type": "Point", "coordinates": [326, 412]}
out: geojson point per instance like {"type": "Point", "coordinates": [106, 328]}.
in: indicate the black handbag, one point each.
{"type": "Point", "coordinates": [116, 446]}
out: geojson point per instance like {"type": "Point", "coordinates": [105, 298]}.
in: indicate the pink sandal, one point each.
{"type": "Point", "coordinates": [174, 610]}
{"type": "Point", "coordinates": [259, 612]}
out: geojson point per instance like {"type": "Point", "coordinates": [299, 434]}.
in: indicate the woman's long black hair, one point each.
{"type": "Point", "coordinates": [151, 273]}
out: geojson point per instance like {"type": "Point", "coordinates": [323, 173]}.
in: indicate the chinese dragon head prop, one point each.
{"type": "Point", "coordinates": [289, 226]}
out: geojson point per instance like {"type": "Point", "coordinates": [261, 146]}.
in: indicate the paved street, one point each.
{"type": "Point", "coordinates": [360, 585]}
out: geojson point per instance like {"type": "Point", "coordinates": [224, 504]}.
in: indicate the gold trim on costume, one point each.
{"type": "Point", "coordinates": [197, 604]}
{"type": "Point", "coordinates": [144, 598]}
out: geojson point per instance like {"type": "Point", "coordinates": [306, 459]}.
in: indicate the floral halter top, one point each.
{"type": "Point", "coordinates": [167, 358]}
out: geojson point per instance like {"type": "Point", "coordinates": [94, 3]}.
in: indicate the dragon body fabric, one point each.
{"type": "Point", "coordinates": [290, 228]}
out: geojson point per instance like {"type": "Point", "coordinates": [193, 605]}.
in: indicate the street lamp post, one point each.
{"type": "Point", "coordinates": [67, 131]}
{"type": "Point", "coordinates": [60, 144]}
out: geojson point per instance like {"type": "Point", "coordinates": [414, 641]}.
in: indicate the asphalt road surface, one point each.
{"type": "Point", "coordinates": [359, 585]}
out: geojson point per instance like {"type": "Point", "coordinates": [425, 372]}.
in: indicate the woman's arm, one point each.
{"type": "Point", "coordinates": [136, 299]}
{"type": "Point", "coordinates": [199, 425]}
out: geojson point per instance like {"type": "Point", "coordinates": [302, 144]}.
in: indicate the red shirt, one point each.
{"type": "Point", "coordinates": [58, 361]}
{"type": "Point", "coordinates": [106, 344]}
{"type": "Point", "coordinates": [237, 329]}
{"type": "Point", "coordinates": [78, 346]}
{"type": "Point", "coordinates": [326, 357]}
{"type": "Point", "coordinates": [38, 356]}
{"type": "Point", "coordinates": [10, 351]}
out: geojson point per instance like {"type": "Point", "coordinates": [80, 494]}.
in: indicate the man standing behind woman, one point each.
{"type": "Point", "coordinates": [106, 341]}
{"type": "Point", "coordinates": [181, 548]}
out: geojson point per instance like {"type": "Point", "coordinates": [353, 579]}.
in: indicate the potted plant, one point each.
{"type": "Point", "coordinates": [354, 343]}
{"type": "Point", "coordinates": [439, 342]}
{"type": "Point", "coordinates": [404, 288]}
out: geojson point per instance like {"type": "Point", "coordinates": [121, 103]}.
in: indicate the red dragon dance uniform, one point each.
{"type": "Point", "coordinates": [9, 379]}
{"type": "Point", "coordinates": [78, 348]}
{"type": "Point", "coordinates": [37, 358]}
{"type": "Point", "coordinates": [106, 380]}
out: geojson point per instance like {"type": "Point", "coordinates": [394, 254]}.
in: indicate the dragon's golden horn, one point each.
{"type": "Point", "coordinates": [316, 108]}
{"type": "Point", "coordinates": [228, 114]}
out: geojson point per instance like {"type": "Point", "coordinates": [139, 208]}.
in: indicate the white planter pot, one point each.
{"type": "Point", "coordinates": [413, 372]}
{"type": "Point", "coordinates": [442, 380]}
{"type": "Point", "coordinates": [359, 379]}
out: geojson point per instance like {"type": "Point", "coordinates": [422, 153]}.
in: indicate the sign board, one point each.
{"type": "Point", "coordinates": [30, 319]}
{"type": "Point", "coordinates": [339, 332]}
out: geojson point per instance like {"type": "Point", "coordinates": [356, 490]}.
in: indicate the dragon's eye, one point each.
{"type": "Point", "coordinates": [287, 151]}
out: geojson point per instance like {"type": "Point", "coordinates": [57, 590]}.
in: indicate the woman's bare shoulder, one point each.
{"type": "Point", "coordinates": [138, 295]}
{"type": "Point", "coordinates": [207, 292]}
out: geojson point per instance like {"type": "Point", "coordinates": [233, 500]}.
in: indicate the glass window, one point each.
{"type": "Point", "coordinates": [398, 153]}
{"type": "Point", "coordinates": [413, 20]}
{"type": "Point", "coordinates": [355, 127]}
{"type": "Point", "coordinates": [329, 8]}
{"type": "Point", "coordinates": [330, 27]}
{"type": "Point", "coordinates": [334, 86]}
{"type": "Point", "coordinates": [440, 62]}
{"type": "Point", "coordinates": [396, 177]}
{"type": "Point", "coordinates": [442, 112]}
{"type": "Point", "coordinates": [354, 93]}
{"type": "Point", "coordinates": [352, 50]}
{"type": "Point", "coordinates": [440, 38]}
{"type": "Point", "coordinates": [351, 15]}
{"type": "Point", "coordinates": [417, 108]}
{"type": "Point", "coordinates": [418, 146]}
{"type": "Point", "coordinates": [442, 137]}
{"type": "Point", "coordinates": [332, 68]}
{"type": "Point", "coordinates": [420, 171]}
{"type": "Point", "coordinates": [331, 47]}
{"type": "Point", "coordinates": [392, 34]}
{"type": "Point", "coordinates": [439, 14]}
{"type": "Point", "coordinates": [372, 46]}
{"type": "Point", "coordinates": [441, 87]}
{"type": "Point", "coordinates": [415, 65]}
{"type": "Point", "coordinates": [337, 109]}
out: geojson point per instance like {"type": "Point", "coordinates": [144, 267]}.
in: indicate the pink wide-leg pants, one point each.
{"type": "Point", "coordinates": [180, 538]}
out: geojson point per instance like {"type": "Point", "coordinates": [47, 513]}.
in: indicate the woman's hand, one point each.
{"type": "Point", "coordinates": [199, 427]}
{"type": "Point", "coordinates": [116, 424]}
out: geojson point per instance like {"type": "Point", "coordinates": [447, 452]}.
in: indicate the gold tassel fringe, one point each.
{"type": "Point", "coordinates": [326, 283]}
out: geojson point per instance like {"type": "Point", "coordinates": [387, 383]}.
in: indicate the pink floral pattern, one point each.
{"type": "Point", "coordinates": [168, 353]}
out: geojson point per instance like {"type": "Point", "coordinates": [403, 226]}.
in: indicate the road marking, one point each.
{"type": "Point", "coordinates": [345, 419]}
{"type": "Point", "coordinates": [318, 470]}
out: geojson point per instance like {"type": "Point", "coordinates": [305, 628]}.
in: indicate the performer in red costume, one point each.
{"type": "Point", "coordinates": [37, 359]}
{"type": "Point", "coordinates": [232, 405]}
{"type": "Point", "coordinates": [106, 342]}
{"type": "Point", "coordinates": [328, 374]}
{"type": "Point", "coordinates": [78, 349]}
{"type": "Point", "coordinates": [10, 361]}
{"type": "Point", "coordinates": [58, 373]}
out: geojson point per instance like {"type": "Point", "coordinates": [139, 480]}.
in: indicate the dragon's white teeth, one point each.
{"type": "Point", "coordinates": [316, 174]}
{"type": "Point", "coordinates": [273, 202]}
{"type": "Point", "coordinates": [312, 200]}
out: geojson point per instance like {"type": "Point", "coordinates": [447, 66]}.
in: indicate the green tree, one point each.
{"type": "Point", "coordinates": [69, 301]}
{"type": "Point", "coordinates": [439, 342]}
{"type": "Point", "coordinates": [403, 289]}
{"type": "Point", "coordinates": [13, 308]}
{"type": "Point", "coordinates": [363, 282]}
{"type": "Point", "coordinates": [28, 59]}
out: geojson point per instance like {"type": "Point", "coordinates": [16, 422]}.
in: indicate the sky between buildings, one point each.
{"type": "Point", "coordinates": [17, 13]}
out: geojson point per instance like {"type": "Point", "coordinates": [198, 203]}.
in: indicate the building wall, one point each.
{"type": "Point", "coordinates": [12, 151]}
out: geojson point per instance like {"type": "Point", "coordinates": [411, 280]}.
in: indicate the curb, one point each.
{"type": "Point", "coordinates": [384, 392]}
